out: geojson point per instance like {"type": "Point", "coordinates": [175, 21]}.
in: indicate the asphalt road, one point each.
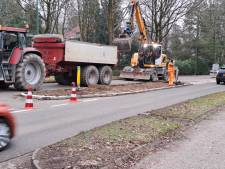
{"type": "Point", "coordinates": [52, 121]}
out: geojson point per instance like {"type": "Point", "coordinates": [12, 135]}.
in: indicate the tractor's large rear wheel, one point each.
{"type": "Point", "coordinates": [3, 85]}
{"type": "Point", "coordinates": [30, 72]}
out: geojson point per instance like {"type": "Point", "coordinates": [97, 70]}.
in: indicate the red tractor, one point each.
{"type": "Point", "coordinates": [20, 65]}
{"type": "Point", "coordinates": [26, 67]}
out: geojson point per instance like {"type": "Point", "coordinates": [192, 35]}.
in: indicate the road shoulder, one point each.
{"type": "Point", "coordinates": [22, 162]}
{"type": "Point", "coordinates": [202, 147]}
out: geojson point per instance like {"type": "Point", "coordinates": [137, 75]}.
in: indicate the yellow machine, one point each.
{"type": "Point", "coordinates": [148, 63]}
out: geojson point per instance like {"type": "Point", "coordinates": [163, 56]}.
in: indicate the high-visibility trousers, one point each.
{"type": "Point", "coordinates": [171, 74]}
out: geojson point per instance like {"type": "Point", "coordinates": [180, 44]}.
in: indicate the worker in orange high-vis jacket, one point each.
{"type": "Point", "coordinates": [171, 72]}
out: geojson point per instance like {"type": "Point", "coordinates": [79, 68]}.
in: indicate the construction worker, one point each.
{"type": "Point", "coordinates": [171, 72]}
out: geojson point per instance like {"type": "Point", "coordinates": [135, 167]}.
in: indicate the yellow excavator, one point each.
{"type": "Point", "coordinates": [149, 63]}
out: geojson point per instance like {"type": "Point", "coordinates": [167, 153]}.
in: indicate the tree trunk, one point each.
{"type": "Point", "coordinates": [111, 20]}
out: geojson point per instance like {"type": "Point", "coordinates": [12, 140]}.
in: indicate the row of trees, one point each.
{"type": "Point", "coordinates": [98, 20]}
{"type": "Point", "coordinates": [200, 40]}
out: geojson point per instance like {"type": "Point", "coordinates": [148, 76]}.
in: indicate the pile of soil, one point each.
{"type": "Point", "coordinates": [102, 89]}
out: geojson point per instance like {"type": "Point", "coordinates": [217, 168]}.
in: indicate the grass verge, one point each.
{"type": "Point", "coordinates": [122, 143]}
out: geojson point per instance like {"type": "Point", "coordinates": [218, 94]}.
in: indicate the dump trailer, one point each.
{"type": "Point", "coordinates": [62, 58]}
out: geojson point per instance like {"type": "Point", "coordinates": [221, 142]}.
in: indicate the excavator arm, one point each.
{"type": "Point", "coordinates": [136, 15]}
{"type": "Point", "coordinates": [125, 39]}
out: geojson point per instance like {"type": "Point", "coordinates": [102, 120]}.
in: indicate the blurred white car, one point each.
{"type": "Point", "coordinates": [215, 70]}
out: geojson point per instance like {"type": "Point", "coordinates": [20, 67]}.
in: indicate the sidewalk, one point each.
{"type": "Point", "coordinates": [203, 148]}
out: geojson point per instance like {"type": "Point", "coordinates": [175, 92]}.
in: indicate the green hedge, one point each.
{"type": "Point", "coordinates": [188, 67]}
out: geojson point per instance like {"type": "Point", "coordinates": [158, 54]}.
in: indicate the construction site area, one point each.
{"type": "Point", "coordinates": [111, 84]}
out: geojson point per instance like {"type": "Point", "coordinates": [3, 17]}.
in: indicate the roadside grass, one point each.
{"type": "Point", "coordinates": [103, 146]}
{"type": "Point", "coordinates": [192, 110]}
{"type": "Point", "coordinates": [139, 129]}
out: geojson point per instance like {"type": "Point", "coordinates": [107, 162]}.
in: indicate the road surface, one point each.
{"type": "Point", "coordinates": [52, 121]}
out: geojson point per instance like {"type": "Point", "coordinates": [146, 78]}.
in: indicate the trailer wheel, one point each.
{"type": "Point", "coordinates": [176, 74]}
{"type": "Point", "coordinates": [89, 76]}
{"type": "Point", "coordinates": [154, 76]}
{"type": "Point", "coordinates": [4, 85]}
{"type": "Point", "coordinates": [63, 78]}
{"type": "Point", "coordinates": [105, 77]}
{"type": "Point", "coordinates": [30, 72]}
{"type": "Point", "coordinates": [165, 76]}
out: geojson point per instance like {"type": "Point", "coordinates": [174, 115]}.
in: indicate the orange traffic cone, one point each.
{"type": "Point", "coordinates": [29, 99]}
{"type": "Point", "coordinates": [73, 97]}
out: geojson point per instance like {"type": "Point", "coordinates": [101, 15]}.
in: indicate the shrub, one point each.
{"type": "Point", "coordinates": [188, 67]}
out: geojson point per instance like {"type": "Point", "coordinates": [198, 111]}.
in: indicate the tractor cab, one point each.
{"type": "Point", "coordinates": [20, 65]}
{"type": "Point", "coordinates": [11, 39]}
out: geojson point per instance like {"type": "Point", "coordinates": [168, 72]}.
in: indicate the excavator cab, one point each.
{"type": "Point", "coordinates": [148, 55]}
{"type": "Point", "coordinates": [151, 53]}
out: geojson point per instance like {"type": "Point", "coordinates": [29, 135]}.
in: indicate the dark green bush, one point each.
{"type": "Point", "coordinates": [188, 67]}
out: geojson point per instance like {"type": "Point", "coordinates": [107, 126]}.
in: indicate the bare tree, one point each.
{"type": "Point", "coordinates": [88, 14]}
{"type": "Point", "coordinates": [115, 15]}
{"type": "Point", "coordinates": [11, 14]}
{"type": "Point", "coordinates": [161, 15]}
{"type": "Point", "coordinates": [50, 12]}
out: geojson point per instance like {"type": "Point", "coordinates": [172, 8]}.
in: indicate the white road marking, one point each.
{"type": "Point", "coordinates": [89, 100]}
{"type": "Point", "coordinates": [59, 105]}
{"type": "Point", "coordinates": [203, 81]}
{"type": "Point", "coordinates": [53, 106]}
{"type": "Point", "coordinates": [20, 111]}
